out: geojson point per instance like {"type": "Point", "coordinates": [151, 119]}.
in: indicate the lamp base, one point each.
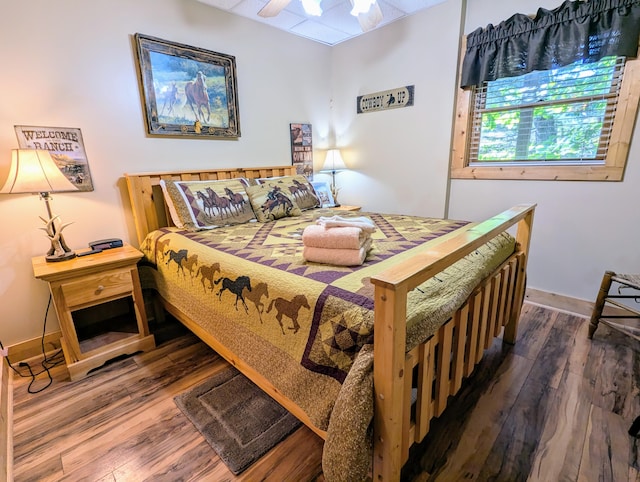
{"type": "Point", "coordinates": [52, 258]}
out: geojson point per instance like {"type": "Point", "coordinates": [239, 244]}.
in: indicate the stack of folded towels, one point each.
{"type": "Point", "coordinates": [338, 240]}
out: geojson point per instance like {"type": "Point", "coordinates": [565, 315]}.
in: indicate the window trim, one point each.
{"type": "Point", "coordinates": [617, 154]}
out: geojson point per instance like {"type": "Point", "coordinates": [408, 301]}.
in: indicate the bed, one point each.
{"type": "Point", "coordinates": [370, 399]}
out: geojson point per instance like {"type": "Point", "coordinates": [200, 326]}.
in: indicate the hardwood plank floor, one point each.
{"type": "Point", "coordinates": [556, 406]}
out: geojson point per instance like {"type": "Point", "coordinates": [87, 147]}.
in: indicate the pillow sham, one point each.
{"type": "Point", "coordinates": [207, 204]}
{"type": "Point", "coordinates": [272, 202]}
{"type": "Point", "coordinates": [170, 205]}
{"type": "Point", "coordinates": [297, 187]}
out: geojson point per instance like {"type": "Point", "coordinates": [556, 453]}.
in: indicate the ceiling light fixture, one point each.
{"type": "Point", "coordinates": [361, 6]}
{"type": "Point", "coordinates": [312, 7]}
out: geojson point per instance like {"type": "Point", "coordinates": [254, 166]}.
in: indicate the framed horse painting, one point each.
{"type": "Point", "coordinates": [187, 91]}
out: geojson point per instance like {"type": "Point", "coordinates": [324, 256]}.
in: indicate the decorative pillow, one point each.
{"type": "Point", "coordinates": [298, 187]}
{"type": "Point", "coordinates": [248, 181]}
{"type": "Point", "coordinates": [172, 209]}
{"type": "Point", "coordinates": [199, 205]}
{"type": "Point", "coordinates": [272, 202]}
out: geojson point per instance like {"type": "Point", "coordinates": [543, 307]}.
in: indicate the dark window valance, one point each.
{"type": "Point", "coordinates": [576, 30]}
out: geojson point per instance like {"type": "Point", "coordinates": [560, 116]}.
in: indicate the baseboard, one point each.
{"type": "Point", "coordinates": [560, 302]}
{"type": "Point", "coordinates": [33, 348]}
{"type": "Point", "coordinates": [6, 422]}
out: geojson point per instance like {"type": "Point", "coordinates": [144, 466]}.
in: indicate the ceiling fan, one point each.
{"type": "Point", "coordinates": [367, 11]}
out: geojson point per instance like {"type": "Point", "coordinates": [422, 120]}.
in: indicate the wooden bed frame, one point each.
{"type": "Point", "coordinates": [435, 368]}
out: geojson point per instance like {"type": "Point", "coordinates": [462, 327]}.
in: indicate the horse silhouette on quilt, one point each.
{"type": "Point", "coordinates": [235, 286]}
{"type": "Point", "coordinates": [290, 309]}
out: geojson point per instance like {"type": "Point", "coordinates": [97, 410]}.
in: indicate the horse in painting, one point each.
{"type": "Point", "coordinates": [198, 97]}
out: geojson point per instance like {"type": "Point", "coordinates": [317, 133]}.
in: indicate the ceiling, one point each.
{"type": "Point", "coordinates": [335, 25]}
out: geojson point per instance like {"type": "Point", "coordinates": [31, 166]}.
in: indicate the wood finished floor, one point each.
{"type": "Point", "coordinates": [556, 406]}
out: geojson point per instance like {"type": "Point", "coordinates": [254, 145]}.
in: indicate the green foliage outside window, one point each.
{"type": "Point", "coordinates": [561, 115]}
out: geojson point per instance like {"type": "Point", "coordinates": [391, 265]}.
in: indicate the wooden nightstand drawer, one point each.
{"type": "Point", "coordinates": [93, 289]}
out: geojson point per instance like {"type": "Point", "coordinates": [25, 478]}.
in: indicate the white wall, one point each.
{"type": "Point", "coordinates": [399, 157]}
{"type": "Point", "coordinates": [70, 63]}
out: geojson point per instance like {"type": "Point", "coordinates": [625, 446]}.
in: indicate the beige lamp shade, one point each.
{"type": "Point", "coordinates": [34, 171]}
{"type": "Point", "coordinates": [333, 162]}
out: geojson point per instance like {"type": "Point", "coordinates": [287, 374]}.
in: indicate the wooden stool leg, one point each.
{"type": "Point", "coordinates": [599, 304]}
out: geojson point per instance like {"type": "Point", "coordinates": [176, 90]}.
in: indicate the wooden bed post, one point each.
{"type": "Point", "coordinates": [523, 240]}
{"type": "Point", "coordinates": [389, 342]}
{"type": "Point", "coordinates": [390, 310]}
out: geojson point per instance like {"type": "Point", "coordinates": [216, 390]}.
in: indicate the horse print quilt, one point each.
{"type": "Point", "coordinates": [301, 325]}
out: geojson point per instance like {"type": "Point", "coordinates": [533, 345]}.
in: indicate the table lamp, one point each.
{"type": "Point", "coordinates": [34, 171]}
{"type": "Point", "coordinates": [333, 163]}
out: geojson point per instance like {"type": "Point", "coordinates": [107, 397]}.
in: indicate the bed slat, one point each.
{"type": "Point", "coordinates": [461, 319]}
{"type": "Point", "coordinates": [424, 406]}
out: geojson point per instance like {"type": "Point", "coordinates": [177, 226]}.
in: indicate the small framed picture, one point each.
{"type": "Point", "coordinates": [324, 193]}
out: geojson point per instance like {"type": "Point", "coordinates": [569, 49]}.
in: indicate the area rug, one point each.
{"type": "Point", "coordinates": [239, 420]}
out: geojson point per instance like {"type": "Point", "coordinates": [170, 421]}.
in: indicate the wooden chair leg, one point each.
{"type": "Point", "coordinates": [600, 300]}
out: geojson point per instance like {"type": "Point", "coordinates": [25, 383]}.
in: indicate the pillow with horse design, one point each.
{"type": "Point", "coordinates": [272, 202]}
{"type": "Point", "coordinates": [208, 204]}
{"type": "Point", "coordinates": [297, 187]}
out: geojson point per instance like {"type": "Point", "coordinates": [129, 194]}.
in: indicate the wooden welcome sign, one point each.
{"type": "Point", "coordinates": [388, 99]}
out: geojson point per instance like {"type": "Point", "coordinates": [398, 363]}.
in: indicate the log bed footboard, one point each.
{"type": "Point", "coordinates": [433, 370]}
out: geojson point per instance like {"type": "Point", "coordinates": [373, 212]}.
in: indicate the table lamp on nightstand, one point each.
{"type": "Point", "coordinates": [34, 171]}
{"type": "Point", "coordinates": [333, 163]}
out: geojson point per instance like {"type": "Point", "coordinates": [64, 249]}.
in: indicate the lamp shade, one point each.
{"type": "Point", "coordinates": [34, 171]}
{"type": "Point", "coordinates": [333, 162]}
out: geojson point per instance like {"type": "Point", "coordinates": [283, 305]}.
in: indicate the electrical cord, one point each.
{"type": "Point", "coordinates": [48, 362]}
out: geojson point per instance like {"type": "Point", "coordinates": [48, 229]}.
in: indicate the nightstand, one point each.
{"type": "Point", "coordinates": [79, 285]}
{"type": "Point", "coordinates": [344, 207]}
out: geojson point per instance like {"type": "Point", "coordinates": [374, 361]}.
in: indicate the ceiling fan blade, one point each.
{"type": "Point", "coordinates": [273, 8]}
{"type": "Point", "coordinates": [371, 19]}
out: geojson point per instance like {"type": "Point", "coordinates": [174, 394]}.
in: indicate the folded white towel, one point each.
{"type": "Point", "coordinates": [362, 222]}
{"type": "Point", "coordinates": [343, 237]}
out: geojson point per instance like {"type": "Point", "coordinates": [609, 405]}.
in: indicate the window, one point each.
{"type": "Point", "coordinates": [551, 96]}
{"type": "Point", "coordinates": [561, 116]}
{"type": "Point", "coordinates": [570, 123]}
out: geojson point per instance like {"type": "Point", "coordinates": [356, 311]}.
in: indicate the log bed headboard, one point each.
{"type": "Point", "coordinates": [147, 201]}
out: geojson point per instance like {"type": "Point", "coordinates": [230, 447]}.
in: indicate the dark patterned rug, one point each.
{"type": "Point", "coordinates": [239, 420]}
